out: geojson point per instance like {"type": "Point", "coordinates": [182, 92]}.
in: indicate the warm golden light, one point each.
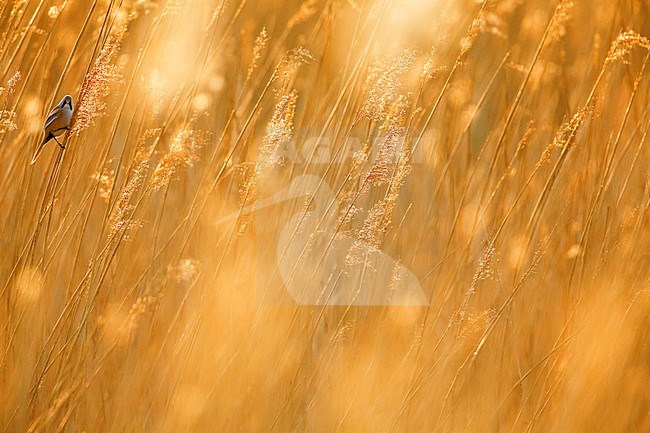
{"type": "Point", "coordinates": [324, 216]}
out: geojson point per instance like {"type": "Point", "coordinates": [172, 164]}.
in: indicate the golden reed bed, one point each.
{"type": "Point", "coordinates": [326, 216]}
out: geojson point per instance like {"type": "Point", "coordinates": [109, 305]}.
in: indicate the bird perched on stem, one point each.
{"type": "Point", "coordinates": [57, 122]}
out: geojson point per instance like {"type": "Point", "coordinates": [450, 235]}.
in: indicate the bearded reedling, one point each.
{"type": "Point", "coordinates": [56, 124]}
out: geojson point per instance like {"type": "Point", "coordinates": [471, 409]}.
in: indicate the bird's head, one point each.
{"type": "Point", "coordinates": [66, 101]}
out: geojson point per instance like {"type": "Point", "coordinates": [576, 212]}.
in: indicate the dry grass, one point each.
{"type": "Point", "coordinates": [497, 149]}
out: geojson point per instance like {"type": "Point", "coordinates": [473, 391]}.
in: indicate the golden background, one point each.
{"type": "Point", "coordinates": [130, 300]}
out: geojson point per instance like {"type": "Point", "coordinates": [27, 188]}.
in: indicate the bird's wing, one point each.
{"type": "Point", "coordinates": [52, 116]}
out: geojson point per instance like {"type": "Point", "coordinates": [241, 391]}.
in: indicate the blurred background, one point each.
{"type": "Point", "coordinates": [491, 154]}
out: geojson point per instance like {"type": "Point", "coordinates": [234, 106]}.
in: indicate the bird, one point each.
{"type": "Point", "coordinates": [57, 122]}
{"type": "Point", "coordinates": [311, 255]}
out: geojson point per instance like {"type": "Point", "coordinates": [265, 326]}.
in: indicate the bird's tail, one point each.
{"type": "Point", "coordinates": [39, 149]}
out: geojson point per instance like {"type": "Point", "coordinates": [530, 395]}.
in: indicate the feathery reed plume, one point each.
{"type": "Point", "coordinates": [485, 270]}
{"type": "Point", "coordinates": [623, 44]}
{"type": "Point", "coordinates": [8, 117]}
{"type": "Point", "coordinates": [247, 172]}
{"type": "Point", "coordinates": [218, 12]}
{"type": "Point", "coordinates": [566, 134]}
{"type": "Point", "coordinates": [7, 121]}
{"type": "Point", "coordinates": [560, 21]}
{"type": "Point", "coordinates": [290, 64]}
{"type": "Point", "coordinates": [97, 83]}
{"type": "Point", "coordinates": [279, 129]}
{"type": "Point", "coordinates": [429, 68]}
{"type": "Point", "coordinates": [391, 167]}
{"type": "Point", "coordinates": [486, 266]}
{"type": "Point", "coordinates": [261, 42]}
{"type": "Point", "coordinates": [477, 26]}
{"type": "Point", "coordinates": [13, 81]}
{"type": "Point", "coordinates": [15, 9]}
{"type": "Point", "coordinates": [378, 220]}
{"type": "Point", "coordinates": [121, 219]}
{"type": "Point", "coordinates": [385, 80]}
{"type": "Point", "coordinates": [53, 12]}
{"type": "Point", "coordinates": [396, 278]}
{"type": "Point", "coordinates": [279, 132]}
{"type": "Point", "coordinates": [182, 153]}
{"type": "Point", "coordinates": [391, 144]}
